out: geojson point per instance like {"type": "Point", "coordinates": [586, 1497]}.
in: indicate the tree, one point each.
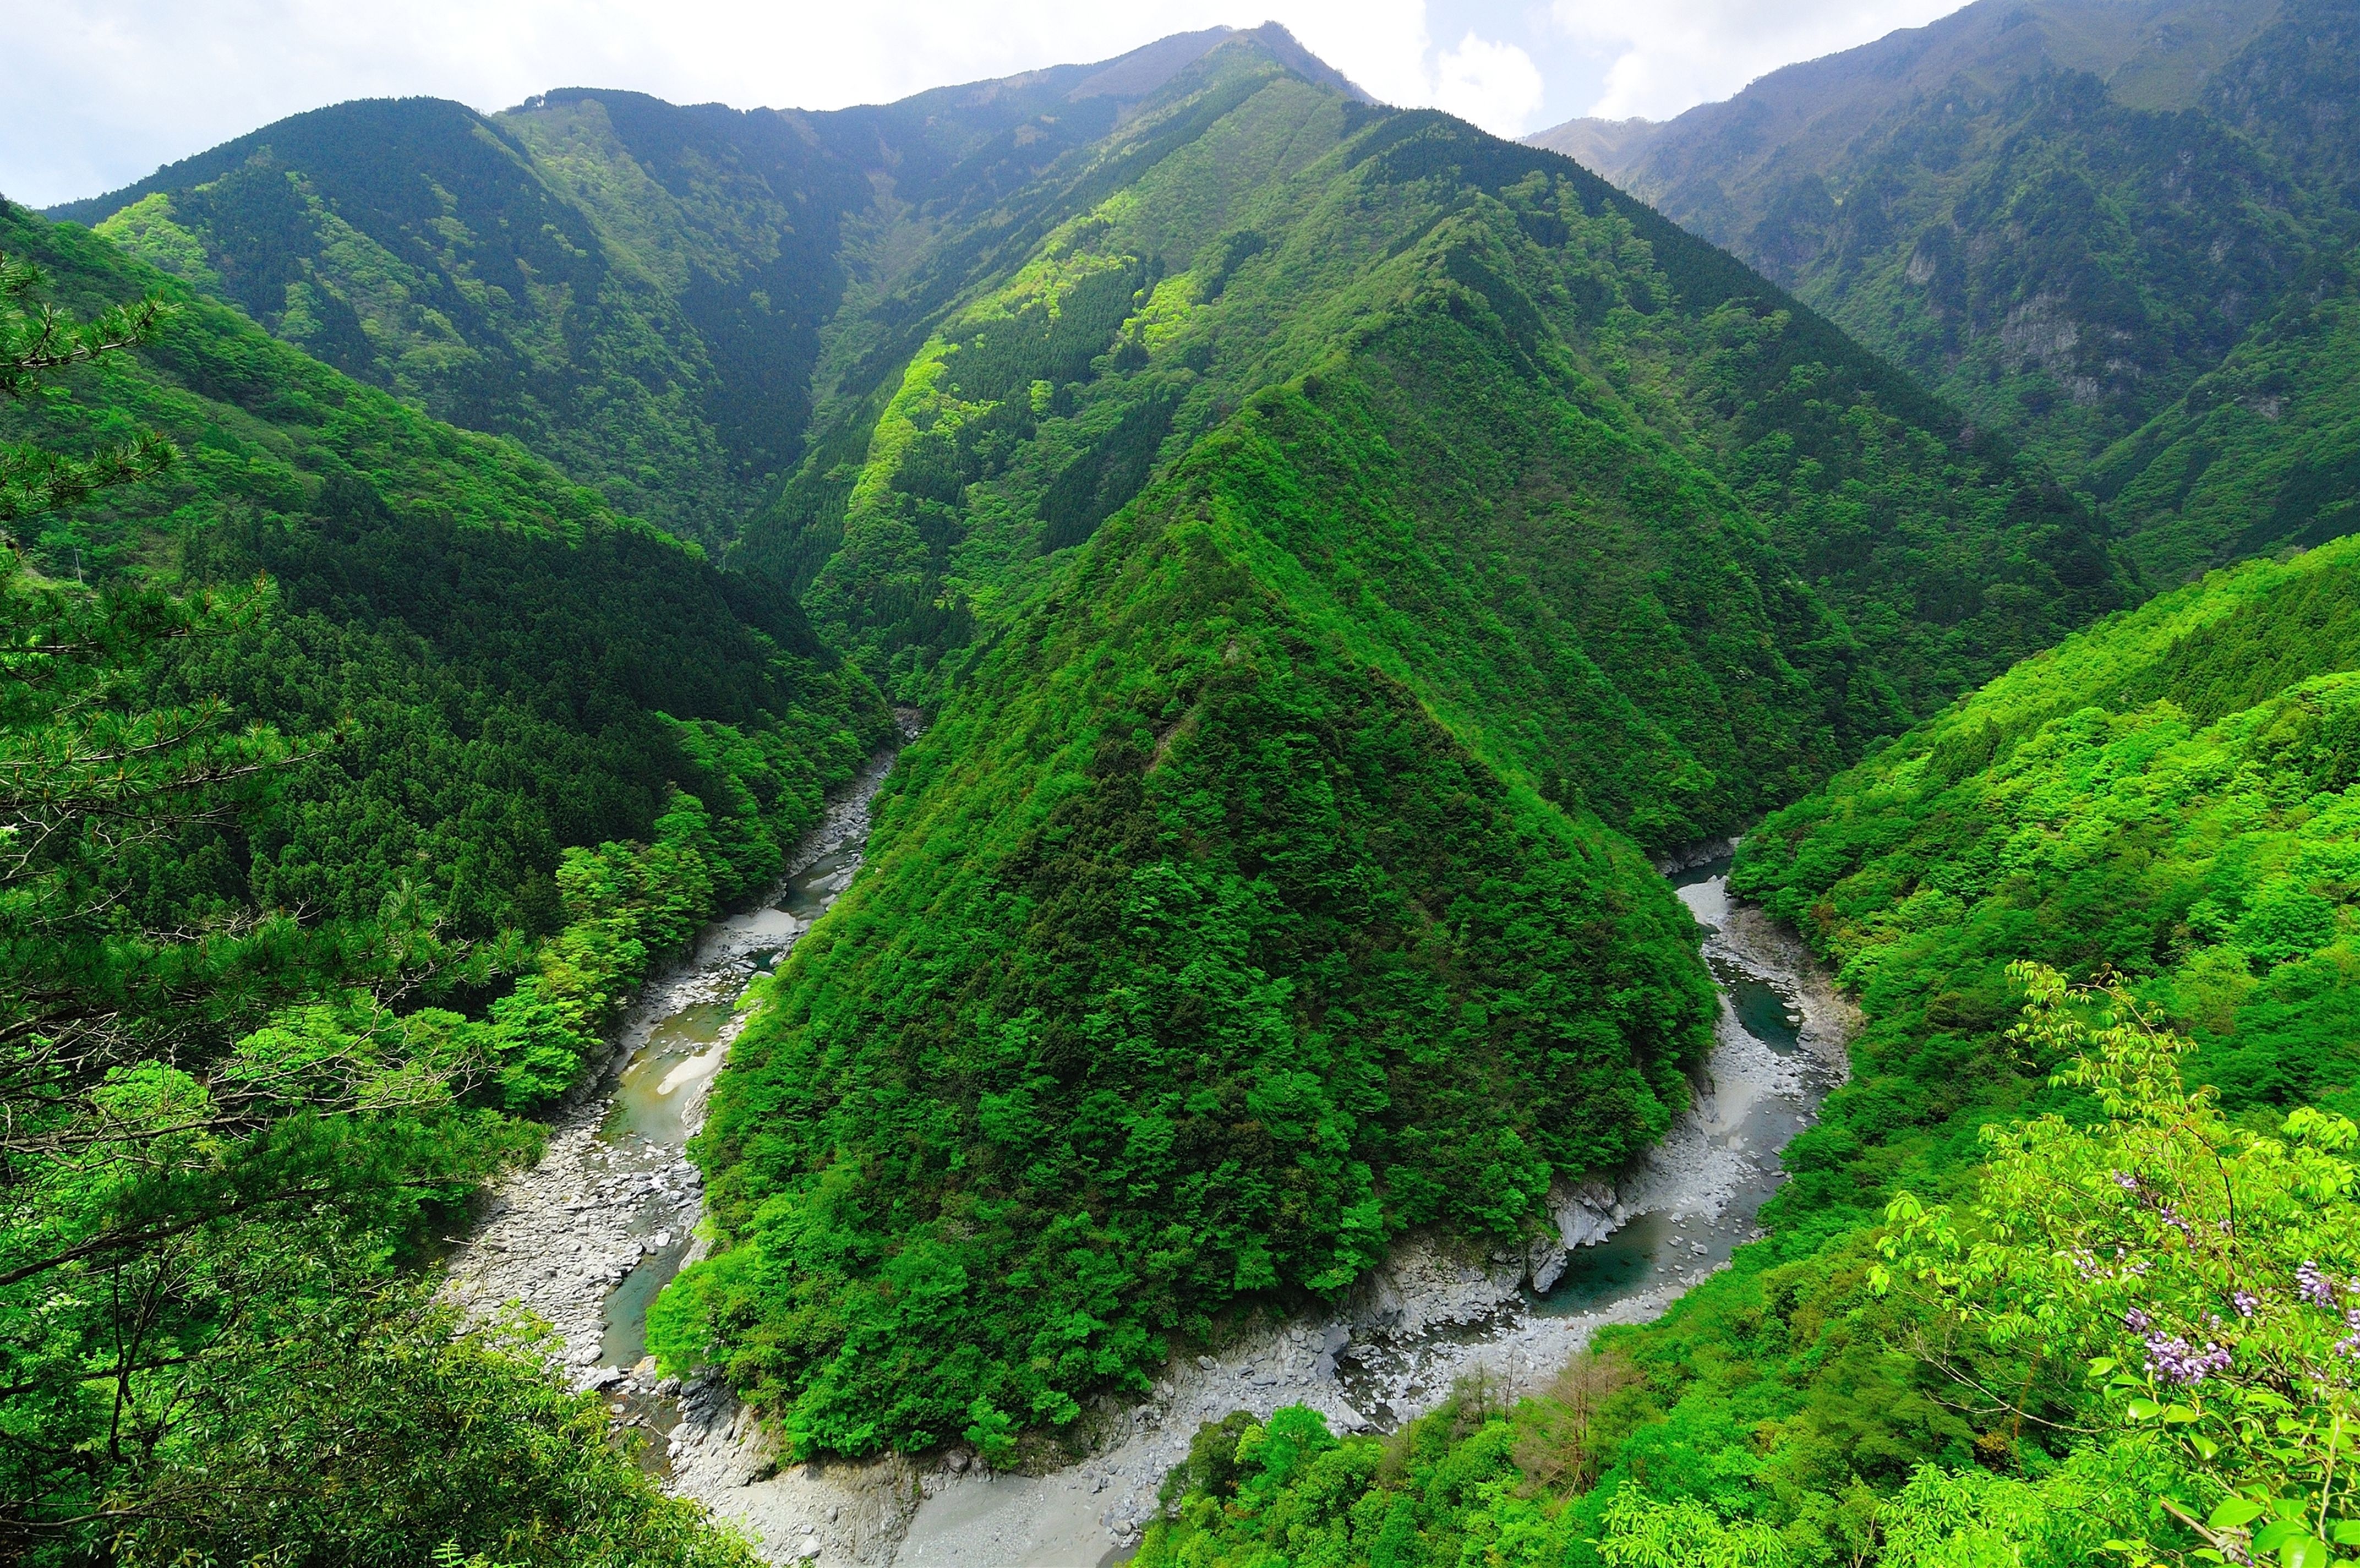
{"type": "Point", "coordinates": [38, 339]}
{"type": "Point", "coordinates": [221, 1143]}
{"type": "Point", "coordinates": [2209, 1274]}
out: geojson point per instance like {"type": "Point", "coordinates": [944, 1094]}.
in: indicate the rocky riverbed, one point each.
{"type": "Point", "coordinates": [587, 1237]}
{"type": "Point", "coordinates": [1623, 1251]}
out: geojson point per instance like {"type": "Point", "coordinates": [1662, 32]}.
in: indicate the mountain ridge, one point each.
{"type": "Point", "coordinates": [2001, 204]}
{"type": "Point", "coordinates": [632, 288]}
{"type": "Point", "coordinates": [2152, 54]}
{"type": "Point", "coordinates": [1333, 550]}
{"type": "Point", "coordinates": [1470, 479]}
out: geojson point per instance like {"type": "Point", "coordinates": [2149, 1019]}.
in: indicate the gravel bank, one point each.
{"type": "Point", "coordinates": [1431, 1316]}
{"type": "Point", "coordinates": [589, 1235]}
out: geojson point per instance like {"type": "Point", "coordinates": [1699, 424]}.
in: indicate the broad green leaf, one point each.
{"type": "Point", "coordinates": [2234, 1513]}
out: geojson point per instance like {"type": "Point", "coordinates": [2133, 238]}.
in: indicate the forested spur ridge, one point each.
{"type": "Point", "coordinates": [342, 811]}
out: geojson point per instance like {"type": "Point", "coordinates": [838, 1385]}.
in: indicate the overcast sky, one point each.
{"type": "Point", "coordinates": [95, 93]}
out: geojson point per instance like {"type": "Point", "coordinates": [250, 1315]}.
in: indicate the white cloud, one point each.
{"type": "Point", "coordinates": [1495, 85]}
{"type": "Point", "coordinates": [1670, 55]}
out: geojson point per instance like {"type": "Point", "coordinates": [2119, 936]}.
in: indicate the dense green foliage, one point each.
{"type": "Point", "coordinates": [679, 304]}
{"type": "Point", "coordinates": [417, 245]}
{"type": "Point", "coordinates": [2162, 798]}
{"type": "Point", "coordinates": [2262, 453]}
{"type": "Point", "coordinates": [2168, 797]}
{"type": "Point", "coordinates": [2140, 245]}
{"type": "Point", "coordinates": [1226, 963]}
{"type": "Point", "coordinates": [2174, 1294]}
{"type": "Point", "coordinates": [1576, 400]}
{"type": "Point", "coordinates": [1334, 544]}
{"type": "Point", "coordinates": [2207, 1274]}
{"type": "Point", "coordinates": [385, 1431]}
{"type": "Point", "coordinates": [644, 294]}
{"type": "Point", "coordinates": [369, 770]}
{"type": "Point", "coordinates": [1253, 898]}
{"type": "Point", "coordinates": [509, 668]}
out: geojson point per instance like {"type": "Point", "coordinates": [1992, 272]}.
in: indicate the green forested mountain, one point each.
{"type": "Point", "coordinates": [1333, 550]}
{"type": "Point", "coordinates": [637, 291]}
{"type": "Point", "coordinates": [1257, 893]}
{"type": "Point", "coordinates": [2172, 798]}
{"type": "Point", "coordinates": [830, 255]}
{"type": "Point", "coordinates": [2065, 217]}
{"type": "Point", "coordinates": [1251, 226]}
{"type": "Point", "coordinates": [514, 667]}
{"type": "Point", "coordinates": [356, 767]}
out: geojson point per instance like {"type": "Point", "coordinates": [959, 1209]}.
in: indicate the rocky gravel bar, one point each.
{"type": "Point", "coordinates": [586, 1236]}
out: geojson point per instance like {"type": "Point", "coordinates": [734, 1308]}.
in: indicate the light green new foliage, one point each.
{"type": "Point", "coordinates": [284, 936]}
{"type": "Point", "coordinates": [2191, 1286]}
{"type": "Point", "coordinates": [1259, 226]}
{"type": "Point", "coordinates": [1644, 1534]}
{"type": "Point", "coordinates": [146, 229]}
{"type": "Point", "coordinates": [1304, 598]}
{"type": "Point", "coordinates": [2209, 1274]}
{"type": "Point", "coordinates": [1968, 1518]}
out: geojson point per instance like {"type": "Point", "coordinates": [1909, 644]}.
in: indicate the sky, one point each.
{"type": "Point", "coordinates": [97, 94]}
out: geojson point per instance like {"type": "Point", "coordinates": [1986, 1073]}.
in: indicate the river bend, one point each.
{"type": "Point", "coordinates": [589, 1235]}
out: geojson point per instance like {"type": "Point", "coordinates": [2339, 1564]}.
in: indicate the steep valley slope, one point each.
{"type": "Point", "coordinates": [356, 769]}
{"type": "Point", "coordinates": [1265, 887]}
{"type": "Point", "coordinates": [1334, 549]}
{"type": "Point", "coordinates": [2171, 798]}
{"type": "Point", "coordinates": [638, 291]}
{"type": "Point", "coordinates": [2074, 219]}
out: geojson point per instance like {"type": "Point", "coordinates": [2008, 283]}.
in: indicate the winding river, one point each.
{"type": "Point", "coordinates": [589, 1236]}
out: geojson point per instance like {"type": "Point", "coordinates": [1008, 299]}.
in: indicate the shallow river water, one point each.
{"type": "Point", "coordinates": [591, 1235]}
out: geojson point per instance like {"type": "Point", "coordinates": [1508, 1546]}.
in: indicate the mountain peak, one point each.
{"type": "Point", "coordinates": [1149, 66]}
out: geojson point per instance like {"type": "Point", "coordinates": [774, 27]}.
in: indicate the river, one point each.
{"type": "Point", "coordinates": [591, 1235]}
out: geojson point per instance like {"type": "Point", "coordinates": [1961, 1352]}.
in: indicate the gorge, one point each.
{"type": "Point", "coordinates": [974, 830]}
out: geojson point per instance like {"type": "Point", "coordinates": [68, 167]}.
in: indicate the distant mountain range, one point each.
{"type": "Point", "coordinates": [635, 289]}
{"type": "Point", "coordinates": [2085, 220]}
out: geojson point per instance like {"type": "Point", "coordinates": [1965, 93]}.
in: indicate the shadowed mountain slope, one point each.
{"type": "Point", "coordinates": [1333, 543]}
{"type": "Point", "coordinates": [511, 669]}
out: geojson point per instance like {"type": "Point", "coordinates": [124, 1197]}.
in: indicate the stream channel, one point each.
{"type": "Point", "coordinates": [589, 1236]}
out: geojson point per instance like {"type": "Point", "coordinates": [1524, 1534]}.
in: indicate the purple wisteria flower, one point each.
{"type": "Point", "coordinates": [2313, 1286]}
{"type": "Point", "coordinates": [2170, 1358]}
{"type": "Point", "coordinates": [2246, 1302]}
{"type": "Point", "coordinates": [2136, 1321]}
{"type": "Point", "coordinates": [2349, 1347]}
{"type": "Point", "coordinates": [2127, 1182]}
